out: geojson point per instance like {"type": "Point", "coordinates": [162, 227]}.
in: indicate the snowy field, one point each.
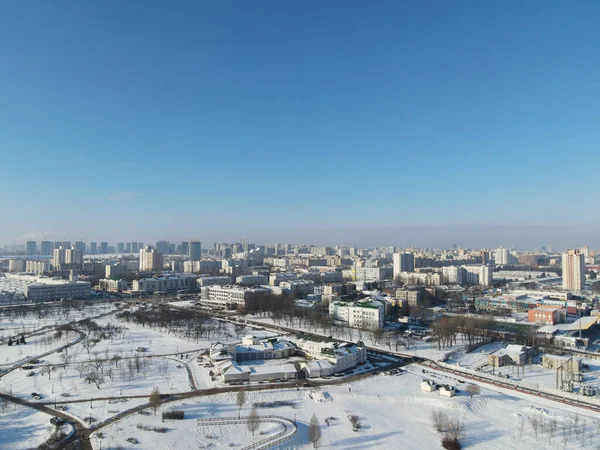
{"type": "Point", "coordinates": [24, 428]}
{"type": "Point", "coordinates": [393, 411]}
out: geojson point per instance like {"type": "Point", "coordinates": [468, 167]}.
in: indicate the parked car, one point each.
{"type": "Point", "coordinates": [30, 374]}
{"type": "Point", "coordinates": [62, 408]}
{"type": "Point", "coordinates": [36, 396]}
{"type": "Point", "coordinates": [58, 421]}
{"type": "Point", "coordinates": [132, 440]}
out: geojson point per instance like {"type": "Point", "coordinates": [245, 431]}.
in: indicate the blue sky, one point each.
{"type": "Point", "coordinates": [242, 118]}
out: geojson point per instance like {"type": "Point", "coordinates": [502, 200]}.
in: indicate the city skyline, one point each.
{"type": "Point", "coordinates": [296, 120]}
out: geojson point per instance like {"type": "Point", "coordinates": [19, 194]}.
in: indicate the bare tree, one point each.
{"type": "Point", "coordinates": [253, 420]}
{"type": "Point", "coordinates": [314, 431]}
{"type": "Point", "coordinates": [456, 429]}
{"type": "Point", "coordinates": [95, 377]}
{"type": "Point", "coordinates": [240, 400]}
{"type": "Point", "coordinates": [155, 399]}
{"type": "Point", "coordinates": [439, 420]}
{"type": "Point", "coordinates": [88, 344]}
{"type": "Point", "coordinates": [534, 423]}
{"type": "Point", "coordinates": [47, 370]}
{"type": "Point", "coordinates": [472, 389]}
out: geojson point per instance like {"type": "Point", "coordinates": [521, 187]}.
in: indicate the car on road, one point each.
{"type": "Point", "coordinates": [62, 408]}
{"type": "Point", "coordinates": [57, 421]}
{"type": "Point", "coordinates": [36, 396]}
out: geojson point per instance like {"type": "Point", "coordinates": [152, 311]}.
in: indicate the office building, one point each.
{"type": "Point", "coordinates": [93, 248]}
{"type": "Point", "coordinates": [195, 250]}
{"type": "Point", "coordinates": [573, 270]}
{"type": "Point", "coordinates": [120, 247]}
{"type": "Point", "coordinates": [103, 248]}
{"type": "Point", "coordinates": [403, 262]}
{"type": "Point", "coordinates": [151, 260]}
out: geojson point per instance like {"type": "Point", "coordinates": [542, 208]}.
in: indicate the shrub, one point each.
{"type": "Point", "coordinates": [175, 414]}
{"type": "Point", "coordinates": [355, 421]}
{"type": "Point", "coordinates": [450, 443]}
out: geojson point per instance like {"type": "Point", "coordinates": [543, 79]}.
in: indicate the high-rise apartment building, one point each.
{"type": "Point", "coordinates": [184, 248]}
{"type": "Point", "coordinates": [162, 247]}
{"type": "Point", "coordinates": [573, 270]}
{"type": "Point", "coordinates": [93, 248]}
{"type": "Point", "coordinates": [150, 260]}
{"type": "Point", "coordinates": [195, 250]}
{"type": "Point", "coordinates": [31, 248]}
{"type": "Point", "coordinates": [403, 262]}
{"type": "Point", "coordinates": [46, 248]}
{"type": "Point", "coordinates": [80, 245]}
{"type": "Point", "coordinates": [58, 260]}
{"type": "Point", "coordinates": [103, 248]}
{"type": "Point", "coordinates": [73, 257]}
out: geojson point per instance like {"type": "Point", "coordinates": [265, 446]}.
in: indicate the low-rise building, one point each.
{"type": "Point", "coordinates": [364, 314]}
{"type": "Point", "coordinates": [49, 290]}
{"type": "Point", "coordinates": [252, 280]}
{"type": "Point", "coordinates": [339, 356]}
{"type": "Point", "coordinates": [165, 283]}
{"type": "Point", "coordinates": [546, 315]}
{"type": "Point", "coordinates": [231, 297]}
{"type": "Point", "coordinates": [111, 285]}
{"type": "Point", "coordinates": [213, 281]}
{"type": "Point", "coordinates": [567, 363]}
{"type": "Point", "coordinates": [511, 354]}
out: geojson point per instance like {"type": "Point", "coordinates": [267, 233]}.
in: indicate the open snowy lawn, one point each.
{"type": "Point", "coordinates": [24, 428]}
{"type": "Point", "coordinates": [393, 411]}
{"type": "Point", "coordinates": [67, 384]}
{"type": "Point", "coordinates": [54, 315]}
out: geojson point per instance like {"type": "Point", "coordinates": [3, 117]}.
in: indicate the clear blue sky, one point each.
{"type": "Point", "coordinates": [243, 118]}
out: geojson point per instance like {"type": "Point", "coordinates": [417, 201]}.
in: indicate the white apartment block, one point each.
{"type": "Point", "coordinates": [150, 260]}
{"type": "Point", "coordinates": [230, 296]}
{"type": "Point", "coordinates": [427, 279]}
{"type": "Point", "coordinates": [112, 285]}
{"type": "Point", "coordinates": [453, 274]}
{"type": "Point", "coordinates": [368, 315]}
{"type": "Point", "coordinates": [370, 274]}
{"type": "Point", "coordinates": [573, 270]}
{"type": "Point", "coordinates": [301, 287]}
{"type": "Point", "coordinates": [49, 290]}
{"type": "Point", "coordinates": [403, 262]}
{"type": "Point", "coordinates": [37, 267]}
{"type": "Point", "coordinates": [213, 281]}
{"type": "Point", "coordinates": [477, 275]}
{"type": "Point", "coordinates": [166, 283]}
{"type": "Point", "coordinates": [278, 277]}
{"type": "Point", "coordinates": [17, 265]}
{"type": "Point", "coordinates": [252, 280]}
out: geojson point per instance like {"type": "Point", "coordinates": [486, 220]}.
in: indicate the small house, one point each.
{"type": "Point", "coordinates": [447, 391]}
{"type": "Point", "coordinates": [429, 385]}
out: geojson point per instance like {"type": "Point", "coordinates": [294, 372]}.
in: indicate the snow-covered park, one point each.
{"type": "Point", "coordinates": [393, 412]}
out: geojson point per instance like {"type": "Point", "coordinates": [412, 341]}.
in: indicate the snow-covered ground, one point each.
{"type": "Point", "coordinates": [394, 413]}
{"type": "Point", "coordinates": [24, 428]}
{"type": "Point", "coordinates": [535, 375]}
